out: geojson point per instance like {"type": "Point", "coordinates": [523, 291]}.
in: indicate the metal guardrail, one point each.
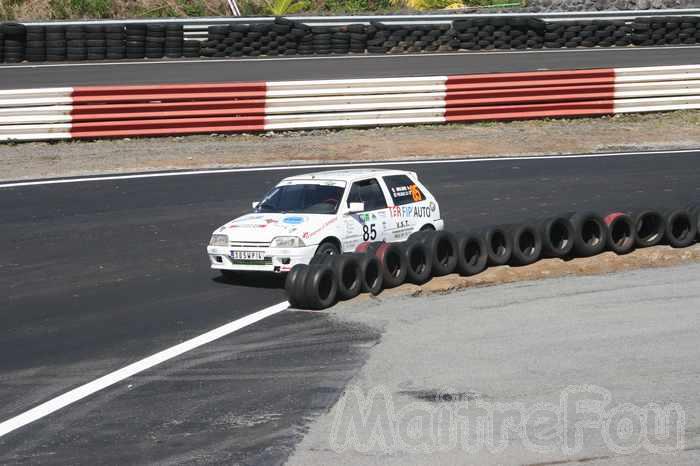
{"type": "Point", "coordinates": [339, 20]}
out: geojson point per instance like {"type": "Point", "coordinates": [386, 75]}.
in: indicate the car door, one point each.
{"type": "Point", "coordinates": [370, 224]}
{"type": "Point", "coordinates": [412, 209]}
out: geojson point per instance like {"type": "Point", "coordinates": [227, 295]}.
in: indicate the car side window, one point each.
{"type": "Point", "coordinates": [369, 192]}
{"type": "Point", "coordinates": [403, 190]}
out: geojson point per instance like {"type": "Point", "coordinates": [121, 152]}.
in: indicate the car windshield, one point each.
{"type": "Point", "coordinates": [302, 198]}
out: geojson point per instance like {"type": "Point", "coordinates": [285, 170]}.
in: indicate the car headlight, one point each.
{"type": "Point", "coordinates": [287, 242]}
{"type": "Point", "coordinates": [218, 240]}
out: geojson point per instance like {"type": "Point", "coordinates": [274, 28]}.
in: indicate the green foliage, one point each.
{"type": "Point", "coordinates": [353, 6]}
{"type": "Point", "coordinates": [284, 7]}
{"type": "Point", "coordinates": [7, 9]}
{"type": "Point", "coordinates": [64, 9]}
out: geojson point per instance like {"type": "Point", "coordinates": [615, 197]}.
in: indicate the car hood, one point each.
{"type": "Point", "coordinates": [266, 227]}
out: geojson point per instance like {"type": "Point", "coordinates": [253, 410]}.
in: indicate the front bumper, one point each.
{"type": "Point", "coordinates": [276, 259]}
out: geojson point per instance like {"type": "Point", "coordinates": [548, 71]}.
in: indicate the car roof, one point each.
{"type": "Point", "coordinates": [351, 174]}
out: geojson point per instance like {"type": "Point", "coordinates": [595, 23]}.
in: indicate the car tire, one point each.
{"type": "Point", "coordinates": [472, 257]}
{"type": "Point", "coordinates": [680, 228]}
{"type": "Point", "coordinates": [293, 284]}
{"type": "Point", "coordinates": [557, 235]}
{"type": "Point", "coordinates": [418, 261]}
{"type": "Point", "coordinates": [327, 248]}
{"type": "Point", "coordinates": [649, 227]}
{"type": "Point", "coordinates": [499, 245]}
{"type": "Point", "coordinates": [620, 235]}
{"type": "Point", "coordinates": [371, 269]}
{"type": "Point", "coordinates": [393, 263]}
{"type": "Point", "coordinates": [589, 234]}
{"type": "Point", "coordinates": [320, 288]}
{"type": "Point", "coordinates": [527, 244]}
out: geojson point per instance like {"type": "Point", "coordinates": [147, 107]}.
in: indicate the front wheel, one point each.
{"type": "Point", "coordinates": [327, 248]}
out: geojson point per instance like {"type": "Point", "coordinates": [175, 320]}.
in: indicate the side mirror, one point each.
{"type": "Point", "coordinates": [356, 207]}
{"type": "Point", "coordinates": [255, 204]}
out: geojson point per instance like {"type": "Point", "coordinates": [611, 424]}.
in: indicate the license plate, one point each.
{"type": "Point", "coordinates": [248, 255]}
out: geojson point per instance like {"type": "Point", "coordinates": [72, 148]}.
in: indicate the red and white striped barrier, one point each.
{"type": "Point", "coordinates": [175, 109]}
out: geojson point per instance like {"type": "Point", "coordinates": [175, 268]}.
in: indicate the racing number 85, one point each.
{"type": "Point", "coordinates": [368, 232]}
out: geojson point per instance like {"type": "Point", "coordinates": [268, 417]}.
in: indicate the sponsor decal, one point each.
{"type": "Point", "coordinates": [405, 191]}
{"type": "Point", "coordinates": [366, 218]}
{"type": "Point", "coordinates": [311, 234]}
{"type": "Point", "coordinates": [432, 206]}
{"type": "Point", "coordinates": [407, 211]}
{"type": "Point", "coordinates": [293, 220]}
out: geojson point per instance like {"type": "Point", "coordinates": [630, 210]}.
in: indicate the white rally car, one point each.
{"type": "Point", "coordinates": [324, 213]}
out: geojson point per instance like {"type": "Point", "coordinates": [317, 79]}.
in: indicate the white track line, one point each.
{"type": "Point", "coordinates": [20, 184]}
{"type": "Point", "coordinates": [204, 61]}
{"type": "Point", "coordinates": [103, 382]}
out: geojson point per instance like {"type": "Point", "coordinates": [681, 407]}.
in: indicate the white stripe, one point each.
{"type": "Point", "coordinates": [350, 57]}
{"type": "Point", "coordinates": [103, 382]}
{"type": "Point", "coordinates": [19, 184]}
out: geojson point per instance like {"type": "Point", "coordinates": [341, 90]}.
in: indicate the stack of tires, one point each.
{"type": "Point", "coordinates": [135, 40]}
{"type": "Point", "coordinates": [13, 42]}
{"type": "Point", "coordinates": [596, 33]}
{"type": "Point", "coordinates": [76, 47]}
{"type": "Point", "coordinates": [281, 37]}
{"type": "Point", "coordinates": [385, 38]}
{"type": "Point", "coordinates": [115, 42]}
{"type": "Point", "coordinates": [191, 48]}
{"type": "Point", "coordinates": [95, 42]}
{"type": "Point", "coordinates": [499, 33]}
{"type": "Point", "coordinates": [155, 40]}
{"type": "Point", "coordinates": [56, 43]}
{"type": "Point", "coordinates": [649, 31]}
{"type": "Point", "coordinates": [35, 43]}
{"type": "Point", "coordinates": [428, 254]}
{"type": "Point", "coordinates": [174, 40]}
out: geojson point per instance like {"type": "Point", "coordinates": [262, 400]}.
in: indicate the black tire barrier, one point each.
{"type": "Point", "coordinates": [499, 245]}
{"type": "Point", "coordinates": [557, 236]}
{"type": "Point", "coordinates": [527, 244]}
{"type": "Point", "coordinates": [649, 228]}
{"type": "Point", "coordinates": [589, 234]}
{"type": "Point", "coordinates": [289, 38]}
{"type": "Point", "coordinates": [620, 233]}
{"type": "Point", "coordinates": [418, 261]}
{"type": "Point", "coordinates": [681, 228]}
{"type": "Point", "coordinates": [442, 247]}
{"type": "Point", "coordinates": [472, 257]}
{"type": "Point", "coordinates": [377, 265]}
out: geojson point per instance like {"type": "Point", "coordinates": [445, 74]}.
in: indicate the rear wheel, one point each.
{"type": "Point", "coordinates": [328, 248]}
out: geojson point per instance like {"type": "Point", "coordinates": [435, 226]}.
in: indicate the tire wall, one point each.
{"type": "Point", "coordinates": [285, 37]}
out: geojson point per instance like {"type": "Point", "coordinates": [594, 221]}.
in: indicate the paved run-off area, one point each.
{"type": "Point", "coordinates": [557, 358]}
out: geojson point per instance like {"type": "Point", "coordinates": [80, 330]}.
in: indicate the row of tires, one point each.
{"type": "Point", "coordinates": [287, 37]}
{"type": "Point", "coordinates": [37, 43]}
{"type": "Point", "coordinates": [375, 266]}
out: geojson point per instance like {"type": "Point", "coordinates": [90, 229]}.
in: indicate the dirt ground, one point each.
{"type": "Point", "coordinates": [676, 130]}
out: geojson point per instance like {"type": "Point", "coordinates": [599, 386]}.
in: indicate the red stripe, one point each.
{"type": "Point", "coordinates": [518, 112]}
{"type": "Point", "coordinates": [155, 110]}
{"type": "Point", "coordinates": [541, 94]}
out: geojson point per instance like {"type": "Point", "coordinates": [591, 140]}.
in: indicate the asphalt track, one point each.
{"type": "Point", "coordinates": [96, 275]}
{"type": "Point", "coordinates": [336, 67]}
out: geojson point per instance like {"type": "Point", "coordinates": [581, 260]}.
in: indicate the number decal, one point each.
{"type": "Point", "coordinates": [369, 232]}
{"type": "Point", "coordinates": [415, 192]}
